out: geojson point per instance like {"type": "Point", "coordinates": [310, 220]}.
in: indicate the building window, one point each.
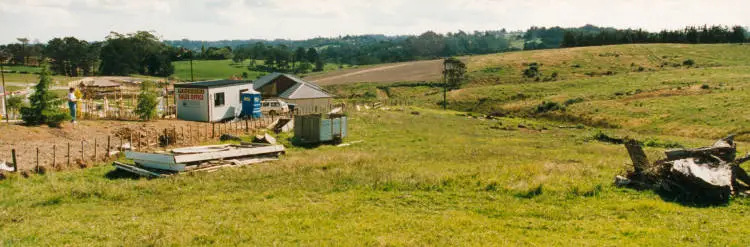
{"type": "Point", "coordinates": [219, 99]}
{"type": "Point", "coordinates": [241, 92]}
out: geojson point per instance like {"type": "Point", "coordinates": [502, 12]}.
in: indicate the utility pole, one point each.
{"type": "Point", "coordinates": [192, 77]}
{"type": "Point", "coordinates": [5, 91]}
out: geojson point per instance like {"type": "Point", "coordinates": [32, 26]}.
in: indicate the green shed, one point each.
{"type": "Point", "coordinates": [319, 128]}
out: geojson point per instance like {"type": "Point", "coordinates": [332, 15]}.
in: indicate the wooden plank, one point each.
{"type": "Point", "coordinates": [156, 161]}
{"type": "Point", "coordinates": [238, 152]}
{"type": "Point", "coordinates": [235, 163]}
{"type": "Point", "coordinates": [160, 158]}
{"type": "Point", "coordinates": [135, 170]}
{"type": "Point", "coordinates": [201, 149]}
{"type": "Point", "coordinates": [639, 158]}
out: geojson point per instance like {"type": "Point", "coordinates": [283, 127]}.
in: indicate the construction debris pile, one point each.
{"type": "Point", "coordinates": [708, 174]}
{"type": "Point", "coordinates": [202, 158]}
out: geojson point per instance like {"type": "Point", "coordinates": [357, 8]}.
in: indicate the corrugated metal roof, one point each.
{"type": "Point", "coordinates": [212, 84]}
{"type": "Point", "coordinates": [305, 91]}
{"type": "Point", "coordinates": [301, 90]}
{"type": "Point", "coordinates": [260, 82]}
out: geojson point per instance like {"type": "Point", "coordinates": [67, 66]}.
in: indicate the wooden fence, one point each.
{"type": "Point", "coordinates": [68, 154]}
{"type": "Point", "coordinates": [122, 108]}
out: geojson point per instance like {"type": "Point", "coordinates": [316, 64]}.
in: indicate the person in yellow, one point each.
{"type": "Point", "coordinates": [72, 100]}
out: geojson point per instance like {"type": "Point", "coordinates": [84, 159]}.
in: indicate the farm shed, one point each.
{"type": "Point", "coordinates": [318, 128]}
{"type": "Point", "coordinates": [211, 101]}
{"type": "Point", "coordinates": [292, 89]}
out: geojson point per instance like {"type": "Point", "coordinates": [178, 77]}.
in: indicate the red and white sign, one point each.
{"type": "Point", "coordinates": [191, 94]}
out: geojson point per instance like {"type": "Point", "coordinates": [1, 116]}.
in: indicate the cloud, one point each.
{"type": "Point", "coordinates": [299, 19]}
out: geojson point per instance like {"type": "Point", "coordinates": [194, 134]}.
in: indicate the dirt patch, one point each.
{"type": "Point", "coordinates": [399, 72]}
{"type": "Point", "coordinates": [86, 135]}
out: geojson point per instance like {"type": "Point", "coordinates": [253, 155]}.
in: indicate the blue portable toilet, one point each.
{"type": "Point", "coordinates": [251, 104]}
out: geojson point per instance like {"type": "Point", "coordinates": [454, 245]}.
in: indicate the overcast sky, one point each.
{"type": "Point", "coordinates": [299, 19]}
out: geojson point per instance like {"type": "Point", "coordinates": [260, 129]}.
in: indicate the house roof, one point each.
{"type": "Point", "coordinates": [301, 89]}
{"type": "Point", "coordinates": [212, 84]}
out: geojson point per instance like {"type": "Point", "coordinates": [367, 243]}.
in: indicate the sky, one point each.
{"type": "Point", "coordinates": [42, 20]}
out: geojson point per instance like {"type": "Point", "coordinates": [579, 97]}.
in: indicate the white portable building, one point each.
{"type": "Point", "coordinates": [211, 101]}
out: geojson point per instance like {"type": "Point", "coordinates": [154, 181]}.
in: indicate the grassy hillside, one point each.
{"type": "Point", "coordinates": [430, 179]}
{"type": "Point", "coordinates": [645, 88]}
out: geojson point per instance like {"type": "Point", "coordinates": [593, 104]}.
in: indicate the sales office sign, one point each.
{"type": "Point", "coordinates": [191, 93]}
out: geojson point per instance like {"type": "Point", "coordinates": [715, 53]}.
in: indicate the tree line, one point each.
{"type": "Point", "coordinates": [119, 54]}
{"type": "Point", "coordinates": [288, 55]}
{"type": "Point", "coordinates": [690, 34]}
{"type": "Point", "coordinates": [589, 35]}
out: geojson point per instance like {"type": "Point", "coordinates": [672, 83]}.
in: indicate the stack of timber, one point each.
{"type": "Point", "coordinates": [201, 158]}
{"type": "Point", "coordinates": [707, 174]}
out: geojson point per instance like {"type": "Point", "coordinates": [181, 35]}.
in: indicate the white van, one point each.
{"type": "Point", "coordinates": [274, 107]}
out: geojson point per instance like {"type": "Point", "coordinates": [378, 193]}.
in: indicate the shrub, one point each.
{"type": "Point", "coordinates": [55, 117]}
{"type": "Point", "coordinates": [688, 62]}
{"type": "Point", "coordinates": [532, 71]}
{"type": "Point", "coordinates": [370, 94]}
{"type": "Point", "coordinates": [602, 137]}
{"type": "Point", "coordinates": [549, 106]}
{"type": "Point", "coordinates": [662, 144]}
{"type": "Point", "coordinates": [147, 102]}
{"type": "Point", "coordinates": [573, 101]}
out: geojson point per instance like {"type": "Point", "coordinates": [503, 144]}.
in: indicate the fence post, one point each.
{"type": "Point", "coordinates": [109, 138]}
{"type": "Point", "coordinates": [166, 137]}
{"type": "Point", "coordinates": [37, 160]}
{"type": "Point", "coordinates": [95, 149]}
{"type": "Point", "coordinates": [213, 129]}
{"type": "Point", "coordinates": [139, 141]}
{"type": "Point", "coordinates": [15, 162]}
{"type": "Point", "coordinates": [68, 154]}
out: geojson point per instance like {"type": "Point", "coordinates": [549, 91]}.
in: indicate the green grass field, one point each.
{"type": "Point", "coordinates": [440, 178]}
{"type": "Point", "coordinates": [20, 68]}
{"type": "Point", "coordinates": [222, 69]}
{"type": "Point", "coordinates": [212, 69]}
{"type": "Point", "coordinates": [432, 179]}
